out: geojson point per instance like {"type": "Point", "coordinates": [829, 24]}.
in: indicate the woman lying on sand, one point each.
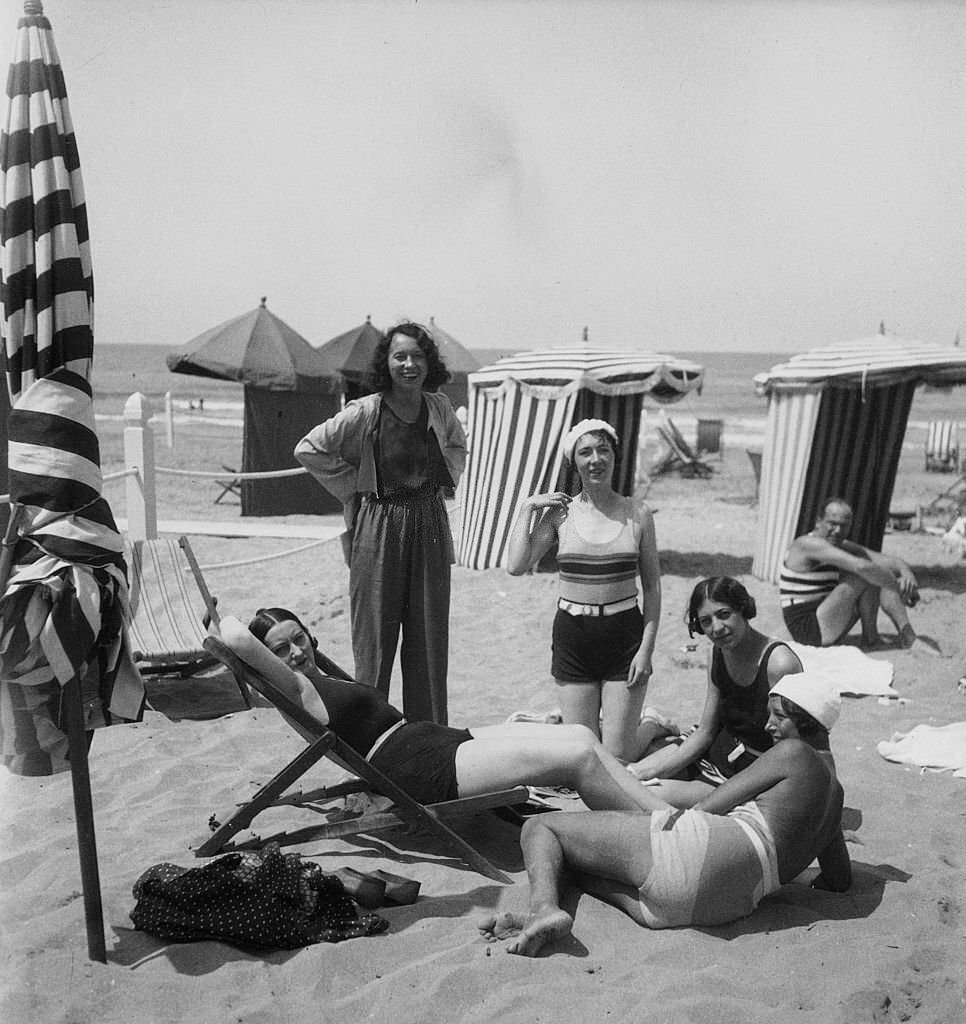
{"type": "Point", "coordinates": [708, 865]}
{"type": "Point", "coordinates": [431, 762]}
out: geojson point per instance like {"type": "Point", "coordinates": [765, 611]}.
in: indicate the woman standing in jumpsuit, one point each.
{"type": "Point", "coordinates": [387, 457]}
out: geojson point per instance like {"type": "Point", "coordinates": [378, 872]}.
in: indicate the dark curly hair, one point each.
{"type": "Point", "coordinates": [723, 589]}
{"type": "Point", "coordinates": [436, 372]}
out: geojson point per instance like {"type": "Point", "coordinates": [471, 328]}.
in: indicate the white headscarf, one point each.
{"type": "Point", "coordinates": [584, 427]}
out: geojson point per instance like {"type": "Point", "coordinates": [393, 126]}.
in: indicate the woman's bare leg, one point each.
{"type": "Point", "coordinates": [532, 754]}
{"type": "Point", "coordinates": [620, 710]}
{"type": "Point", "coordinates": [580, 704]}
{"type": "Point", "coordinates": [609, 851]}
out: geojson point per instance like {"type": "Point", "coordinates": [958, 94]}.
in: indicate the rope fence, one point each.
{"type": "Point", "coordinates": [264, 558]}
{"type": "Point", "coordinates": [270, 474]}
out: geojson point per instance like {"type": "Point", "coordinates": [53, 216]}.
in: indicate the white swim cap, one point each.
{"type": "Point", "coordinates": [577, 431]}
{"type": "Point", "coordinates": [815, 693]}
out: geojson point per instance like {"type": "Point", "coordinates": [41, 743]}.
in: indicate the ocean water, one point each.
{"type": "Point", "coordinates": [120, 370]}
{"type": "Point", "coordinates": [728, 393]}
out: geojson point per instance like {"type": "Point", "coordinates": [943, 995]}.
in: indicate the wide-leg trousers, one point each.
{"type": "Point", "coordinates": [399, 581]}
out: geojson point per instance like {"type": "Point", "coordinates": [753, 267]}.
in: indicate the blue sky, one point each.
{"type": "Point", "coordinates": [675, 176]}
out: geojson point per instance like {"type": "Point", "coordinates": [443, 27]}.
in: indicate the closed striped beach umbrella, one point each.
{"type": "Point", "coordinates": [65, 663]}
{"type": "Point", "coordinates": [521, 407]}
{"type": "Point", "coordinates": [836, 420]}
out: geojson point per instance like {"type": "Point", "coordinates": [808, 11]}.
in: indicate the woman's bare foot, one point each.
{"type": "Point", "coordinates": [494, 927]}
{"type": "Point", "coordinates": [540, 927]}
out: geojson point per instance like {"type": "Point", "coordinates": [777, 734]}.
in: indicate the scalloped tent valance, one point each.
{"type": "Point", "coordinates": [602, 371]}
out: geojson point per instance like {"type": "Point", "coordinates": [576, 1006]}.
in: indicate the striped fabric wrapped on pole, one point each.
{"type": "Point", "coordinates": [62, 612]}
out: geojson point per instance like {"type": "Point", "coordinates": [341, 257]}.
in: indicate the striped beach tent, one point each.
{"type": "Point", "coordinates": [836, 421]}
{"type": "Point", "coordinates": [521, 407]}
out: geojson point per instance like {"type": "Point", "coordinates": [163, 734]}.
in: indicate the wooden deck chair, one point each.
{"type": "Point", "coordinates": [230, 486]}
{"type": "Point", "coordinates": [167, 608]}
{"type": "Point", "coordinates": [679, 457]}
{"type": "Point", "coordinates": [942, 446]}
{"type": "Point", "coordinates": [325, 744]}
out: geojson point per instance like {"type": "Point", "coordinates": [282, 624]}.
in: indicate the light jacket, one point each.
{"type": "Point", "coordinates": [340, 453]}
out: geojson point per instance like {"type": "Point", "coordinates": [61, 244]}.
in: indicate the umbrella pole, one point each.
{"type": "Point", "coordinates": [84, 820]}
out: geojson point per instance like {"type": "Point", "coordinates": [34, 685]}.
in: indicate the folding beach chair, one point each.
{"type": "Point", "coordinates": [230, 486]}
{"type": "Point", "coordinates": [679, 456]}
{"type": "Point", "coordinates": [942, 446]}
{"type": "Point", "coordinates": [325, 744]}
{"type": "Point", "coordinates": [166, 624]}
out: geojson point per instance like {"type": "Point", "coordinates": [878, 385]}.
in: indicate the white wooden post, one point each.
{"type": "Point", "coordinates": [140, 494]}
{"type": "Point", "coordinates": [169, 418]}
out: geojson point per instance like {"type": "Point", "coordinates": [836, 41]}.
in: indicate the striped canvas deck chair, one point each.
{"type": "Point", "coordinates": [323, 743]}
{"type": "Point", "coordinates": [942, 446]}
{"type": "Point", "coordinates": [169, 599]}
{"type": "Point", "coordinates": [679, 456]}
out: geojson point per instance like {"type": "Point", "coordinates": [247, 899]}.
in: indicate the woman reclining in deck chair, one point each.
{"type": "Point", "coordinates": [435, 763]}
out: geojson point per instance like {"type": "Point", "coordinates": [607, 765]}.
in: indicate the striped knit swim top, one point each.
{"type": "Point", "coordinates": [598, 573]}
{"type": "Point", "coordinates": [806, 586]}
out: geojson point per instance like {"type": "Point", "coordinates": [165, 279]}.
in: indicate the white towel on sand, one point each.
{"type": "Point", "coordinates": [938, 748]}
{"type": "Point", "coordinates": [856, 673]}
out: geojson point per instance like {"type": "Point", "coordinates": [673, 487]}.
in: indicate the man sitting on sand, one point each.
{"type": "Point", "coordinates": [829, 582]}
{"type": "Point", "coordinates": [708, 865]}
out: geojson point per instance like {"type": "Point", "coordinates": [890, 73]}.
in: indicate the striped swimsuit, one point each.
{"type": "Point", "coordinates": [801, 592]}
{"type": "Point", "coordinates": [599, 625]}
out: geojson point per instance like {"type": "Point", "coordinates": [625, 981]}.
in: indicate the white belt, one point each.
{"type": "Point", "coordinates": [572, 608]}
{"type": "Point", "coordinates": [383, 737]}
{"type": "Point", "coordinates": [787, 601]}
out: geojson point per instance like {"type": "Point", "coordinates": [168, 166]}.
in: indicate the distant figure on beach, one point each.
{"type": "Point", "coordinates": [708, 865]}
{"type": "Point", "coordinates": [602, 641]}
{"type": "Point", "coordinates": [828, 583]}
{"type": "Point", "coordinates": [744, 666]}
{"type": "Point", "coordinates": [433, 763]}
{"type": "Point", "coordinates": [388, 457]}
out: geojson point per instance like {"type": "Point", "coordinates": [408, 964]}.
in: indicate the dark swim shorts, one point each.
{"type": "Point", "coordinates": [595, 648]}
{"type": "Point", "coordinates": [420, 757]}
{"type": "Point", "coordinates": [801, 621]}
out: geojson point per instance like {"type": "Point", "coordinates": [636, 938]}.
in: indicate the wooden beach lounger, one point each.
{"type": "Point", "coordinates": [405, 809]}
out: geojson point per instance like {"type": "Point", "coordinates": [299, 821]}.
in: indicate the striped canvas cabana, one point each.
{"type": "Point", "coordinates": [836, 421]}
{"type": "Point", "coordinates": [521, 407]}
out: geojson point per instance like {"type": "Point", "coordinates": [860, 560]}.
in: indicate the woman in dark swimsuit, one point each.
{"type": "Point", "coordinates": [431, 762]}
{"type": "Point", "coordinates": [743, 667]}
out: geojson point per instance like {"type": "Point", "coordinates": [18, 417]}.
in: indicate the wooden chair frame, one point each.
{"type": "Point", "coordinates": [405, 809]}
{"type": "Point", "coordinates": [680, 456]}
{"type": "Point", "coordinates": [229, 486]}
{"type": "Point", "coordinates": [168, 634]}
